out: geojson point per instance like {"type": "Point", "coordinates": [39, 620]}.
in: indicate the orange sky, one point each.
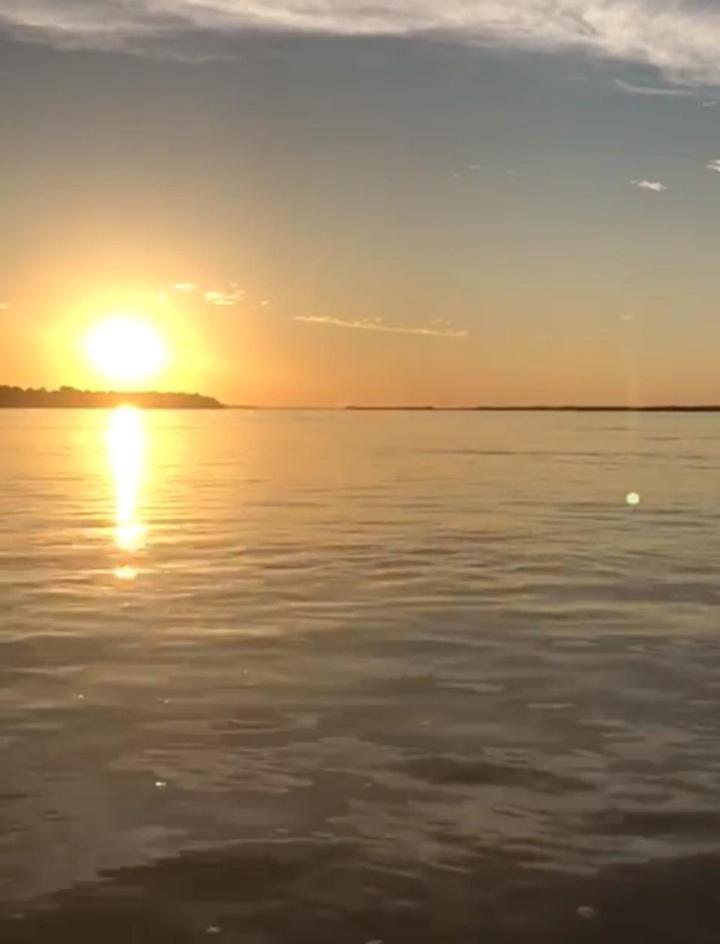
{"type": "Point", "coordinates": [362, 221]}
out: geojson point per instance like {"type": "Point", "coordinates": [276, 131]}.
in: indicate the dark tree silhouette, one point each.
{"type": "Point", "coordinates": [69, 398]}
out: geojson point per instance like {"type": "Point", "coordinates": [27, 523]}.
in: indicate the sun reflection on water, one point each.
{"type": "Point", "coordinates": [126, 454]}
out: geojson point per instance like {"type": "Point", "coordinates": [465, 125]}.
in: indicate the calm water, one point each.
{"type": "Point", "coordinates": [314, 677]}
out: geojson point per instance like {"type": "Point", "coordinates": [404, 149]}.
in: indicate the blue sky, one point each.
{"type": "Point", "coordinates": [409, 202]}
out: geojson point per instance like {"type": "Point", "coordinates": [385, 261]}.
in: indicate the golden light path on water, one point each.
{"type": "Point", "coordinates": [126, 455]}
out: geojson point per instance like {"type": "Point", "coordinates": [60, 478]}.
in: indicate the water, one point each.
{"type": "Point", "coordinates": [318, 676]}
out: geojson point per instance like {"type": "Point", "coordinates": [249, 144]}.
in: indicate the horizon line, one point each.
{"type": "Point", "coordinates": [489, 408]}
{"type": "Point", "coordinates": [58, 394]}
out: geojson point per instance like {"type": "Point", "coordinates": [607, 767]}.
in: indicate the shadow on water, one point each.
{"type": "Point", "coordinates": [313, 892]}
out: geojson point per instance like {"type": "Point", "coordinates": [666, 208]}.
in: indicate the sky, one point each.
{"type": "Point", "coordinates": [324, 202]}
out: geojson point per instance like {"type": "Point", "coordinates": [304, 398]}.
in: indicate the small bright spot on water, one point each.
{"type": "Point", "coordinates": [161, 784]}
{"type": "Point", "coordinates": [125, 573]}
{"type": "Point", "coordinates": [586, 913]}
{"type": "Point", "coordinates": [632, 498]}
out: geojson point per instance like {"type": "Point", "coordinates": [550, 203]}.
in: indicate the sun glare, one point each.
{"type": "Point", "coordinates": [126, 453]}
{"type": "Point", "coordinates": [126, 349]}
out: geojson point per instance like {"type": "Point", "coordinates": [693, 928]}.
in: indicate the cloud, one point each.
{"type": "Point", "coordinates": [224, 299]}
{"type": "Point", "coordinates": [5, 306]}
{"type": "Point", "coordinates": [713, 103]}
{"type": "Point", "coordinates": [220, 297]}
{"type": "Point", "coordinates": [713, 165]}
{"type": "Point", "coordinates": [653, 89]}
{"type": "Point", "coordinates": [439, 329]}
{"type": "Point", "coordinates": [653, 185]}
{"type": "Point", "coordinates": [681, 38]}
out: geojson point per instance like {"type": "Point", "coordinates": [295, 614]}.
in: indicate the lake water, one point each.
{"type": "Point", "coordinates": [351, 677]}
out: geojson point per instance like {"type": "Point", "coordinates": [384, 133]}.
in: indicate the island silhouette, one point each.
{"type": "Point", "coordinates": [71, 398]}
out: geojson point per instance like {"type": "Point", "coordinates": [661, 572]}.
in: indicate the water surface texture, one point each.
{"type": "Point", "coordinates": [331, 676]}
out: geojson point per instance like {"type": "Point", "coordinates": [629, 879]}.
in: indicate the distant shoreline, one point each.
{"type": "Point", "coordinates": [694, 408]}
{"type": "Point", "coordinates": [662, 408]}
{"type": "Point", "coordinates": [70, 398]}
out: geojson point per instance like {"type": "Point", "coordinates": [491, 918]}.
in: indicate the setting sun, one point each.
{"type": "Point", "coordinates": [126, 349]}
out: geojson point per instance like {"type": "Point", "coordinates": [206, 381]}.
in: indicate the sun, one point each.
{"type": "Point", "coordinates": [126, 349]}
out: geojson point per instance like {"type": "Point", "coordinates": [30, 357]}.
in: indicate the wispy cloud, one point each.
{"type": "Point", "coordinates": [224, 299]}
{"type": "Point", "coordinates": [664, 90]}
{"type": "Point", "coordinates": [439, 329]}
{"type": "Point", "coordinates": [653, 185]}
{"type": "Point", "coordinates": [5, 306]}
{"type": "Point", "coordinates": [713, 165]}
{"type": "Point", "coordinates": [681, 38]}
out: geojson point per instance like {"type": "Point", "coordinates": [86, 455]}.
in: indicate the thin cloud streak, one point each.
{"type": "Point", "coordinates": [657, 90]}
{"type": "Point", "coordinates": [678, 37]}
{"type": "Point", "coordinates": [713, 165]}
{"type": "Point", "coordinates": [378, 325]}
